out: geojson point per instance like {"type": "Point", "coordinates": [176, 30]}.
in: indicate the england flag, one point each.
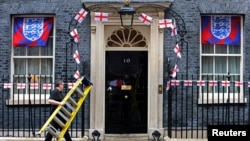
{"type": "Point", "coordinates": [164, 23]}
{"type": "Point", "coordinates": [81, 15]}
{"type": "Point", "coordinates": [77, 75]}
{"type": "Point", "coordinates": [75, 35]}
{"type": "Point", "coordinates": [177, 50]}
{"type": "Point", "coordinates": [145, 19]}
{"type": "Point", "coordinates": [100, 16]}
{"type": "Point", "coordinates": [77, 57]}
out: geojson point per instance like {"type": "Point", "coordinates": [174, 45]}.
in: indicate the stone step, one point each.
{"type": "Point", "coordinates": [125, 137]}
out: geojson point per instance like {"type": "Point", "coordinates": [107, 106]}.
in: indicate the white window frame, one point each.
{"type": "Point", "coordinates": [32, 97]}
{"type": "Point", "coordinates": [227, 97]}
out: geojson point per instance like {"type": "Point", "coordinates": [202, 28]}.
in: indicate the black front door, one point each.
{"type": "Point", "coordinates": [126, 92]}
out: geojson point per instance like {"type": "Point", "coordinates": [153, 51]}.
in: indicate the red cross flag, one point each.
{"type": "Point", "coordinates": [77, 57]}
{"type": "Point", "coordinates": [200, 83]}
{"type": "Point", "coordinates": [188, 82]}
{"type": "Point", "coordinates": [46, 86]}
{"type": "Point", "coordinates": [225, 83]}
{"type": "Point", "coordinates": [102, 17]}
{"type": "Point", "coordinates": [81, 15]}
{"type": "Point", "coordinates": [212, 83]}
{"type": "Point", "coordinates": [177, 50]}
{"type": "Point", "coordinates": [7, 85]}
{"type": "Point", "coordinates": [34, 86]}
{"type": "Point", "coordinates": [168, 85]}
{"type": "Point", "coordinates": [71, 85]}
{"type": "Point", "coordinates": [174, 29]}
{"type": "Point", "coordinates": [175, 70]}
{"type": "Point", "coordinates": [77, 75]}
{"type": "Point", "coordinates": [163, 23]}
{"type": "Point", "coordinates": [75, 35]}
{"type": "Point", "coordinates": [175, 82]}
{"type": "Point", "coordinates": [21, 85]}
{"type": "Point", "coordinates": [145, 19]}
{"type": "Point", "coordinates": [238, 83]}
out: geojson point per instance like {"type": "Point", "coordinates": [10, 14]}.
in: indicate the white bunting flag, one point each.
{"type": "Point", "coordinates": [100, 16]}
{"type": "Point", "coordinates": [81, 15]}
{"type": "Point", "coordinates": [77, 75]}
{"type": "Point", "coordinates": [46, 86]}
{"type": "Point", "coordinates": [145, 19]}
{"type": "Point", "coordinates": [77, 57]}
{"type": "Point", "coordinates": [7, 85]}
{"type": "Point", "coordinates": [164, 23]}
{"type": "Point", "coordinates": [75, 35]}
{"type": "Point", "coordinates": [177, 50]}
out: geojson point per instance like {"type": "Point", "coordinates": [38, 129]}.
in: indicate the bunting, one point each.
{"type": "Point", "coordinates": [145, 19]}
{"type": "Point", "coordinates": [80, 16]}
{"type": "Point", "coordinates": [100, 16]}
{"type": "Point", "coordinates": [75, 35]}
{"type": "Point", "coordinates": [77, 57]}
{"type": "Point", "coordinates": [165, 23]}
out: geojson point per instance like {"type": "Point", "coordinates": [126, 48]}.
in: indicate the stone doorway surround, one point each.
{"type": "Point", "coordinates": [99, 34]}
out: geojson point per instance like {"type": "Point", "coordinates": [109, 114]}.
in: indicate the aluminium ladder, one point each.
{"type": "Point", "coordinates": [69, 113]}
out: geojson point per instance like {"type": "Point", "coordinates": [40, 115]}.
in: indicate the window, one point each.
{"type": "Point", "coordinates": [32, 60]}
{"type": "Point", "coordinates": [221, 59]}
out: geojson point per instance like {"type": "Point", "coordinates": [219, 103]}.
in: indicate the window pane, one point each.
{"type": "Point", "coordinates": [48, 50]}
{"type": "Point", "coordinates": [19, 51]}
{"type": "Point", "coordinates": [33, 66]}
{"type": "Point", "coordinates": [206, 48]}
{"type": "Point", "coordinates": [234, 65]}
{"type": "Point", "coordinates": [234, 49]}
{"type": "Point", "coordinates": [33, 51]}
{"type": "Point", "coordinates": [221, 49]}
{"type": "Point", "coordinates": [20, 66]}
{"type": "Point", "coordinates": [207, 64]}
{"type": "Point", "coordinates": [221, 65]}
{"type": "Point", "coordinates": [46, 65]}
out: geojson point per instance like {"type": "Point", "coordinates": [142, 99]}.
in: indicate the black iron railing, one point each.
{"type": "Point", "coordinates": [194, 104]}
{"type": "Point", "coordinates": [190, 105]}
{"type": "Point", "coordinates": [24, 110]}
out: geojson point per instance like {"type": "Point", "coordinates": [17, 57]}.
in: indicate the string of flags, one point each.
{"type": "Point", "coordinates": [200, 83]}
{"type": "Point", "coordinates": [103, 17]}
{"type": "Point", "coordinates": [203, 83]}
{"type": "Point", "coordinates": [44, 86]}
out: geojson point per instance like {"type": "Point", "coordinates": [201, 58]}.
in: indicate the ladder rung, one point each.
{"type": "Point", "coordinates": [72, 101]}
{"type": "Point", "coordinates": [79, 91]}
{"type": "Point", "coordinates": [70, 106]}
{"type": "Point", "coordinates": [66, 112]}
{"type": "Point", "coordinates": [57, 120]}
{"type": "Point", "coordinates": [52, 130]}
{"type": "Point", "coordinates": [63, 116]}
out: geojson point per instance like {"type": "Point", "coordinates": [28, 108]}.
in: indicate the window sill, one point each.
{"type": "Point", "coordinates": [25, 99]}
{"type": "Point", "coordinates": [220, 99]}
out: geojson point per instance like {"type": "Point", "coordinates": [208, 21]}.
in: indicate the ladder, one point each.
{"type": "Point", "coordinates": [69, 113]}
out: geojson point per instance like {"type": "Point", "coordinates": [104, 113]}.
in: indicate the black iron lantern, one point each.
{"type": "Point", "coordinates": [126, 14]}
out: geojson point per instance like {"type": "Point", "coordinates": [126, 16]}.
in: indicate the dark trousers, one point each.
{"type": "Point", "coordinates": [49, 136]}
